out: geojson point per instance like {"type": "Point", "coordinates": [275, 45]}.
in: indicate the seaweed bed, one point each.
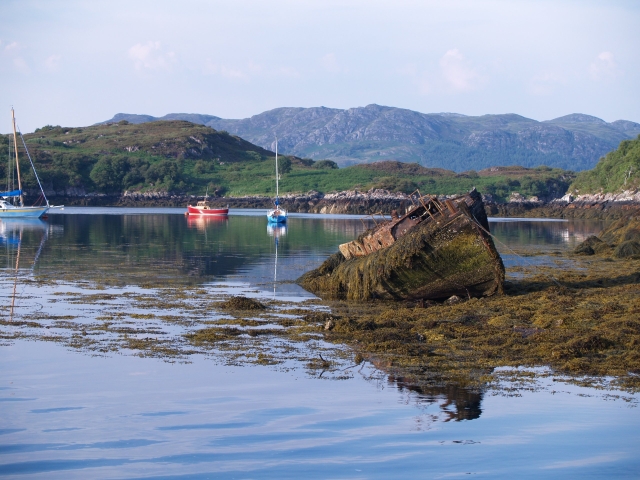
{"type": "Point", "coordinates": [582, 321]}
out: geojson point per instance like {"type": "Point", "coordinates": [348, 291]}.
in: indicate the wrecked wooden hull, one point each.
{"type": "Point", "coordinates": [451, 254]}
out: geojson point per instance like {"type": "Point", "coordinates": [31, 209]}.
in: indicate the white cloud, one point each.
{"type": "Point", "coordinates": [225, 71]}
{"type": "Point", "coordinates": [52, 63]}
{"type": "Point", "coordinates": [11, 46]}
{"type": "Point", "coordinates": [20, 65]}
{"type": "Point", "coordinates": [151, 56]}
{"type": "Point", "coordinates": [247, 72]}
{"type": "Point", "coordinates": [457, 73]}
{"type": "Point", "coordinates": [604, 67]}
{"type": "Point", "coordinates": [330, 63]}
{"type": "Point", "coordinates": [289, 72]}
{"type": "Point", "coordinates": [419, 78]}
{"type": "Point", "coordinates": [545, 83]}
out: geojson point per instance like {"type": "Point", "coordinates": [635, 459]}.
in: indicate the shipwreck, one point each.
{"type": "Point", "coordinates": [437, 249]}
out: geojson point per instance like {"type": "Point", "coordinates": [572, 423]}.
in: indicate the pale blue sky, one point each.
{"type": "Point", "coordinates": [76, 62]}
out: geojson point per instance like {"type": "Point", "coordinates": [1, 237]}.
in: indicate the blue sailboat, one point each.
{"type": "Point", "coordinates": [277, 214]}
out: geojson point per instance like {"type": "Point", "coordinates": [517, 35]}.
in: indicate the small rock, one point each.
{"type": "Point", "coordinates": [453, 300]}
{"type": "Point", "coordinates": [242, 303]}
{"type": "Point", "coordinates": [627, 249]}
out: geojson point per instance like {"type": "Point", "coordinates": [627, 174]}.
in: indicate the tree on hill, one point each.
{"type": "Point", "coordinates": [619, 170]}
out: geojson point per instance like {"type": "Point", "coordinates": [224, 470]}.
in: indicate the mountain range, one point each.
{"type": "Point", "coordinates": [442, 140]}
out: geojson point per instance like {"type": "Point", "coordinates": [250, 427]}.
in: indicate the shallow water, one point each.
{"type": "Point", "coordinates": [77, 412]}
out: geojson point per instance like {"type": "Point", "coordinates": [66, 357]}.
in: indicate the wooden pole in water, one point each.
{"type": "Point", "coordinates": [15, 146]}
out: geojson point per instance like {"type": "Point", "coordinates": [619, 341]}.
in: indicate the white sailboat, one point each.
{"type": "Point", "coordinates": [277, 214]}
{"type": "Point", "coordinates": [9, 208]}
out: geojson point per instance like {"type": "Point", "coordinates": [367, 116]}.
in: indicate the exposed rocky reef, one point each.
{"type": "Point", "coordinates": [620, 240]}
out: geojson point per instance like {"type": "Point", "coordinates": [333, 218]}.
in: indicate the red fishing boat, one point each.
{"type": "Point", "coordinates": [203, 208]}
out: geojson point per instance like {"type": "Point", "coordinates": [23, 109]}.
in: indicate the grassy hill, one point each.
{"type": "Point", "coordinates": [619, 170]}
{"type": "Point", "coordinates": [187, 158]}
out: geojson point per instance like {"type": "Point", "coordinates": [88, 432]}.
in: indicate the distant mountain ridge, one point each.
{"type": "Point", "coordinates": [440, 140]}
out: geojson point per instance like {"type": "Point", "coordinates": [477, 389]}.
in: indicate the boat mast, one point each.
{"type": "Point", "coordinates": [15, 146]}
{"type": "Point", "coordinates": [277, 171]}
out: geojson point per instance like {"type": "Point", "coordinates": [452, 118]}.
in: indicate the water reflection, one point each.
{"type": "Point", "coordinates": [202, 223]}
{"type": "Point", "coordinates": [276, 231]}
{"type": "Point", "coordinates": [171, 248]}
{"type": "Point", "coordinates": [455, 402]}
{"type": "Point", "coordinates": [12, 233]}
{"type": "Point", "coordinates": [544, 232]}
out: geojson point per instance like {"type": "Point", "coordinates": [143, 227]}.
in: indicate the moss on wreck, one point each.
{"type": "Point", "coordinates": [432, 261]}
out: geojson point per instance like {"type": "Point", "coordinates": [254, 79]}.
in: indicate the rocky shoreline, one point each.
{"type": "Point", "coordinates": [354, 202]}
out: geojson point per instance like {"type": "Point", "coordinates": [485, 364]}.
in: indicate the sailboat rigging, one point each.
{"type": "Point", "coordinates": [8, 206]}
{"type": "Point", "coordinates": [277, 214]}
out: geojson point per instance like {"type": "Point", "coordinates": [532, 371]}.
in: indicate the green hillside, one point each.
{"type": "Point", "coordinates": [619, 170]}
{"type": "Point", "coordinates": [185, 158]}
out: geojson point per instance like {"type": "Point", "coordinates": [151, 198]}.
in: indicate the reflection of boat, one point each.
{"type": "Point", "coordinates": [277, 214]}
{"type": "Point", "coordinates": [204, 209]}
{"type": "Point", "coordinates": [9, 208]}
{"type": "Point", "coordinates": [9, 227]}
{"type": "Point", "coordinates": [456, 402]}
{"type": "Point", "coordinates": [435, 250]}
{"type": "Point", "coordinates": [276, 231]}
{"type": "Point", "coordinates": [11, 234]}
{"type": "Point", "coordinates": [201, 222]}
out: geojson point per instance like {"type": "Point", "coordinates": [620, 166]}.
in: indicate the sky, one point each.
{"type": "Point", "coordinates": [75, 63]}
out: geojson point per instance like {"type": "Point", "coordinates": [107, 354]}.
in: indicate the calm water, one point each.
{"type": "Point", "coordinates": [73, 413]}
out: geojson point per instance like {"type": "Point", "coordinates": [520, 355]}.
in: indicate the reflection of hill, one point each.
{"type": "Point", "coordinates": [156, 248]}
{"type": "Point", "coordinates": [466, 403]}
{"type": "Point", "coordinates": [528, 232]}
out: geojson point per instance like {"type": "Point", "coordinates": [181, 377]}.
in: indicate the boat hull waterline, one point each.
{"type": "Point", "coordinates": [276, 217]}
{"type": "Point", "coordinates": [214, 212]}
{"type": "Point", "coordinates": [23, 212]}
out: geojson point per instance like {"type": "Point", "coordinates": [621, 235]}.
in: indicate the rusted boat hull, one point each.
{"type": "Point", "coordinates": [451, 254]}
